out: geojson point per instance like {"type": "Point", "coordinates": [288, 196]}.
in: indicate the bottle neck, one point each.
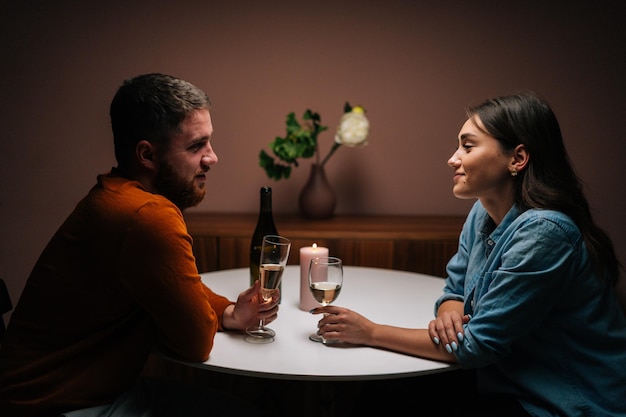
{"type": "Point", "coordinates": [266, 218]}
{"type": "Point", "coordinates": [266, 204]}
{"type": "Point", "coordinates": [266, 200]}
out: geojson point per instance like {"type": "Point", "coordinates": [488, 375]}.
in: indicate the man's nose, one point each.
{"type": "Point", "coordinates": [208, 160]}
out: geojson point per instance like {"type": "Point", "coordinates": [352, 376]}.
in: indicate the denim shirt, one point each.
{"type": "Point", "coordinates": [544, 327]}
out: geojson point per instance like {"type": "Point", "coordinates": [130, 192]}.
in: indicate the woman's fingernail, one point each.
{"type": "Point", "coordinates": [454, 346]}
{"type": "Point", "coordinates": [448, 348]}
{"type": "Point", "coordinates": [312, 310]}
{"type": "Point", "coordinates": [436, 340]}
{"type": "Point", "coordinates": [460, 336]}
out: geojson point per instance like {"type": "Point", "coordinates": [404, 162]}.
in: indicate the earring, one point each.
{"type": "Point", "coordinates": [514, 172]}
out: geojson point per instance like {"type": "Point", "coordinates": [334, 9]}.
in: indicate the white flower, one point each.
{"type": "Point", "coordinates": [300, 140]}
{"type": "Point", "coordinates": [353, 128]}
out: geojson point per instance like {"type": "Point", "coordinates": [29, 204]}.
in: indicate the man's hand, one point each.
{"type": "Point", "coordinates": [249, 309]}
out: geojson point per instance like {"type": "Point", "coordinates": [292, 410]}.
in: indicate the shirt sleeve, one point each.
{"type": "Point", "coordinates": [456, 268]}
{"type": "Point", "coordinates": [158, 269]}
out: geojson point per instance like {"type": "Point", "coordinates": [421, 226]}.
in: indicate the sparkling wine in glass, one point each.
{"type": "Point", "coordinates": [325, 281]}
{"type": "Point", "coordinates": [274, 255]}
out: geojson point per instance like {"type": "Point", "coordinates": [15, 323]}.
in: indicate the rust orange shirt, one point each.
{"type": "Point", "coordinates": [117, 280]}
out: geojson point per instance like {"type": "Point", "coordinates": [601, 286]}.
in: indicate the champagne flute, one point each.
{"type": "Point", "coordinates": [274, 255]}
{"type": "Point", "coordinates": [325, 281]}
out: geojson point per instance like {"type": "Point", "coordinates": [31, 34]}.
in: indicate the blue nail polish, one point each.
{"type": "Point", "coordinates": [312, 310]}
{"type": "Point", "coordinates": [436, 340]}
{"type": "Point", "coordinates": [460, 336]}
{"type": "Point", "coordinates": [454, 346]}
{"type": "Point", "coordinates": [448, 348]}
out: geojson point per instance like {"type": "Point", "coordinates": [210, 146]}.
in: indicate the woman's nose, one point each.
{"type": "Point", "coordinates": [454, 160]}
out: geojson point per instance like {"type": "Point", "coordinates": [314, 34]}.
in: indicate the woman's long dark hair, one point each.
{"type": "Point", "coordinates": [549, 180]}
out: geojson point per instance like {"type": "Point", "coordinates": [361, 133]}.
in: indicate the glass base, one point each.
{"type": "Point", "coordinates": [317, 338]}
{"type": "Point", "coordinates": [260, 335]}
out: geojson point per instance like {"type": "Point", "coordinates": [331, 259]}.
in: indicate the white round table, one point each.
{"type": "Point", "coordinates": [385, 296]}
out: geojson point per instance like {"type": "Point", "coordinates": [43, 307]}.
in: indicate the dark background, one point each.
{"type": "Point", "coordinates": [414, 65]}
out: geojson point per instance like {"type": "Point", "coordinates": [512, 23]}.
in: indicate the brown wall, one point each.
{"type": "Point", "coordinates": [413, 64]}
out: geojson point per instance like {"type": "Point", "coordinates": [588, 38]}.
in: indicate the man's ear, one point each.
{"type": "Point", "coordinates": [521, 157]}
{"type": "Point", "coordinates": [145, 154]}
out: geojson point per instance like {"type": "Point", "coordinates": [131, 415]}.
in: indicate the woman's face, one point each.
{"type": "Point", "coordinates": [481, 168]}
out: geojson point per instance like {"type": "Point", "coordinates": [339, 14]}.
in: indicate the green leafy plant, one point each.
{"type": "Point", "coordinates": [300, 140]}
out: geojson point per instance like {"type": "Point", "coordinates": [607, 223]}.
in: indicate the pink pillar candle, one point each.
{"type": "Point", "coordinates": [307, 302]}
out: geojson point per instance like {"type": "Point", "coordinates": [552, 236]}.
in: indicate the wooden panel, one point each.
{"type": "Point", "coordinates": [411, 243]}
{"type": "Point", "coordinates": [427, 257]}
{"type": "Point", "coordinates": [205, 250]}
{"type": "Point", "coordinates": [234, 252]}
{"type": "Point", "coordinates": [375, 253]}
{"type": "Point", "coordinates": [339, 227]}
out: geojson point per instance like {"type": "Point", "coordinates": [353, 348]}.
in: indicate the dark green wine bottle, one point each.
{"type": "Point", "coordinates": [265, 226]}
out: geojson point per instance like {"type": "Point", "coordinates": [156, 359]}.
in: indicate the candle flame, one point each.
{"type": "Point", "coordinates": [314, 245]}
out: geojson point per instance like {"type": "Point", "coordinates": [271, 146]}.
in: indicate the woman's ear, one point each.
{"type": "Point", "coordinates": [520, 158]}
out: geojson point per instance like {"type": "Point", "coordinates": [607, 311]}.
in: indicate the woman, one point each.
{"type": "Point", "coordinates": [529, 300]}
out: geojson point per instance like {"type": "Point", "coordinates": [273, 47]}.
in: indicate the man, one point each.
{"type": "Point", "coordinates": [118, 279]}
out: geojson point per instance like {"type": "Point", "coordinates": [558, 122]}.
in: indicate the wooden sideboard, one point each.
{"type": "Point", "coordinates": [410, 243]}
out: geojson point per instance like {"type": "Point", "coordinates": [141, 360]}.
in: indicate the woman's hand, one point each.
{"type": "Point", "coordinates": [343, 325]}
{"type": "Point", "coordinates": [447, 329]}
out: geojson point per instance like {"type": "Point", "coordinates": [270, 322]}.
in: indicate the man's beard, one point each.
{"type": "Point", "coordinates": [180, 192]}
